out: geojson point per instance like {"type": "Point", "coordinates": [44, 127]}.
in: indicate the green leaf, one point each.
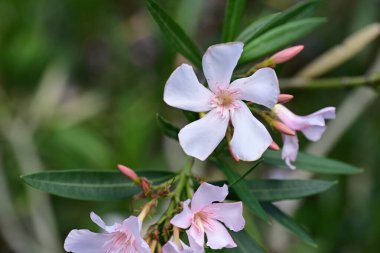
{"type": "Point", "coordinates": [232, 17]}
{"type": "Point", "coordinates": [278, 38]}
{"type": "Point", "coordinates": [245, 244]}
{"type": "Point", "coordinates": [275, 189]}
{"type": "Point", "coordinates": [246, 173]}
{"type": "Point", "coordinates": [91, 184]}
{"type": "Point", "coordinates": [266, 23]}
{"type": "Point", "coordinates": [174, 33]}
{"type": "Point", "coordinates": [241, 189]}
{"type": "Point", "coordinates": [167, 128]}
{"type": "Point", "coordinates": [311, 163]}
{"type": "Point", "coordinates": [289, 223]}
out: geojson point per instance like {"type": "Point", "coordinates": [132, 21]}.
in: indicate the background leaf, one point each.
{"type": "Point", "coordinates": [91, 185]}
{"type": "Point", "coordinates": [167, 128]}
{"type": "Point", "coordinates": [278, 38]}
{"type": "Point", "coordinates": [266, 23]}
{"type": "Point", "coordinates": [232, 17]}
{"type": "Point", "coordinates": [174, 33]}
{"type": "Point", "coordinates": [311, 163]}
{"type": "Point", "coordinates": [245, 244]}
{"type": "Point", "coordinates": [241, 189]}
{"type": "Point", "coordinates": [288, 223]}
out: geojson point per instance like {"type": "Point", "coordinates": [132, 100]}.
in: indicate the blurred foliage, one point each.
{"type": "Point", "coordinates": [113, 48]}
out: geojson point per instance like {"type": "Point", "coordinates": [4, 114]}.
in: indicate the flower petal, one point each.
{"type": "Point", "coordinates": [313, 133]}
{"type": "Point", "coordinates": [196, 237]}
{"type": "Point", "coordinates": [184, 91]}
{"type": "Point", "coordinates": [218, 236]}
{"type": "Point", "coordinates": [219, 62]}
{"type": "Point", "coordinates": [133, 225]}
{"type": "Point", "coordinates": [184, 218]}
{"type": "Point", "coordinates": [85, 241]}
{"type": "Point", "coordinates": [231, 214]}
{"type": "Point", "coordinates": [289, 150]}
{"type": "Point", "coordinates": [326, 113]}
{"type": "Point", "coordinates": [171, 247]}
{"type": "Point", "coordinates": [201, 137]}
{"type": "Point", "coordinates": [207, 194]}
{"type": "Point", "coordinates": [260, 88]}
{"type": "Point", "coordinates": [142, 246]}
{"type": "Point", "coordinates": [250, 138]}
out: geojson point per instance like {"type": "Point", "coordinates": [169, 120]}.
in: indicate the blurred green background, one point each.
{"type": "Point", "coordinates": [81, 83]}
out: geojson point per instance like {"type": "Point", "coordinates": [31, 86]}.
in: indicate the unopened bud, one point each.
{"type": "Point", "coordinates": [145, 185]}
{"type": "Point", "coordinates": [274, 146]}
{"type": "Point", "coordinates": [129, 173]}
{"type": "Point", "coordinates": [283, 128]}
{"type": "Point", "coordinates": [286, 54]}
{"type": "Point", "coordinates": [284, 98]}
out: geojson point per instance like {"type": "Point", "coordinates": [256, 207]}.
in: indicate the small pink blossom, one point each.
{"type": "Point", "coordinates": [206, 217]}
{"type": "Point", "coordinates": [224, 103]}
{"type": "Point", "coordinates": [119, 238]}
{"type": "Point", "coordinates": [286, 54]}
{"type": "Point", "coordinates": [312, 126]}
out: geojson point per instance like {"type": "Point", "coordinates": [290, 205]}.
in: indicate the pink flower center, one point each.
{"type": "Point", "coordinates": [202, 220]}
{"type": "Point", "coordinates": [225, 99]}
{"type": "Point", "coordinates": [121, 242]}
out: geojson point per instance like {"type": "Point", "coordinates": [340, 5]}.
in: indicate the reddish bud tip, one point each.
{"type": "Point", "coordinates": [286, 54]}
{"type": "Point", "coordinates": [283, 128]}
{"type": "Point", "coordinates": [128, 172]}
{"type": "Point", "coordinates": [274, 146]}
{"type": "Point", "coordinates": [284, 98]}
{"type": "Point", "coordinates": [145, 185]}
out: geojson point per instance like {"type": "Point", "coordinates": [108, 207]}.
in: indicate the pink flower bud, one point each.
{"type": "Point", "coordinates": [145, 185]}
{"type": "Point", "coordinates": [284, 98]}
{"type": "Point", "coordinates": [286, 54]}
{"type": "Point", "coordinates": [274, 146]}
{"type": "Point", "coordinates": [283, 128]}
{"type": "Point", "coordinates": [129, 173]}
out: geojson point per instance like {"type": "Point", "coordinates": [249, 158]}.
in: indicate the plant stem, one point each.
{"type": "Point", "coordinates": [336, 82]}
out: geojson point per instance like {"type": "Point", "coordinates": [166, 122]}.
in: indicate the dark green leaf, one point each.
{"type": "Point", "coordinates": [174, 33]}
{"type": "Point", "coordinates": [311, 163]}
{"type": "Point", "coordinates": [241, 189]}
{"type": "Point", "coordinates": [266, 23]}
{"type": "Point", "coordinates": [167, 128]}
{"type": "Point", "coordinates": [191, 116]}
{"type": "Point", "coordinates": [245, 244]}
{"type": "Point", "coordinates": [289, 223]}
{"type": "Point", "coordinates": [91, 184]}
{"type": "Point", "coordinates": [274, 189]}
{"type": "Point", "coordinates": [279, 38]}
{"type": "Point", "coordinates": [246, 173]}
{"type": "Point", "coordinates": [232, 17]}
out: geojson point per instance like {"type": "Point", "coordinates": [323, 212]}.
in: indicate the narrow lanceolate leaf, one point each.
{"type": "Point", "coordinates": [288, 223]}
{"type": "Point", "coordinates": [91, 185]}
{"type": "Point", "coordinates": [278, 38]}
{"type": "Point", "coordinates": [167, 128]}
{"type": "Point", "coordinates": [241, 189]}
{"type": "Point", "coordinates": [311, 163]}
{"type": "Point", "coordinates": [174, 33]}
{"type": "Point", "coordinates": [232, 18]}
{"type": "Point", "coordinates": [266, 23]}
{"type": "Point", "coordinates": [275, 189]}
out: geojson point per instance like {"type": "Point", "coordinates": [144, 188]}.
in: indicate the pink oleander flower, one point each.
{"type": "Point", "coordinates": [180, 247]}
{"type": "Point", "coordinates": [204, 216]}
{"type": "Point", "coordinates": [118, 238]}
{"type": "Point", "coordinates": [224, 103]}
{"type": "Point", "coordinates": [312, 126]}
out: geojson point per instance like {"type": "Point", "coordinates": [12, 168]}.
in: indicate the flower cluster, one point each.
{"type": "Point", "coordinates": [229, 106]}
{"type": "Point", "coordinates": [205, 216]}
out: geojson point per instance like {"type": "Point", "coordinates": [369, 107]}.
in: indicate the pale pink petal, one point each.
{"type": "Point", "coordinates": [201, 137]}
{"type": "Point", "coordinates": [98, 221]}
{"type": "Point", "coordinates": [142, 246]}
{"type": "Point", "coordinates": [326, 113]}
{"type": "Point", "coordinates": [250, 138]}
{"type": "Point", "coordinates": [196, 237]}
{"type": "Point", "coordinates": [85, 241]}
{"type": "Point", "coordinates": [184, 218]}
{"type": "Point", "coordinates": [231, 214]}
{"type": "Point", "coordinates": [184, 91]}
{"type": "Point", "coordinates": [218, 236]}
{"type": "Point", "coordinates": [207, 194]}
{"type": "Point", "coordinates": [260, 88]}
{"type": "Point", "coordinates": [296, 122]}
{"type": "Point", "coordinates": [133, 225]}
{"type": "Point", "coordinates": [219, 62]}
{"type": "Point", "coordinates": [290, 149]}
{"type": "Point", "coordinates": [171, 247]}
{"type": "Point", "coordinates": [313, 133]}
